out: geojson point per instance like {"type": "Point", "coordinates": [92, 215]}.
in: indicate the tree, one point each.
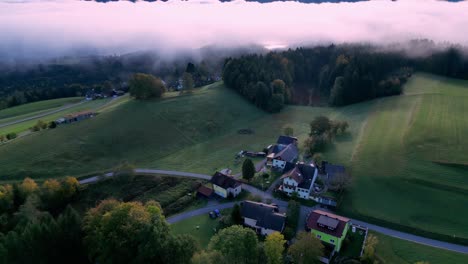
{"type": "Point", "coordinates": [11, 136]}
{"type": "Point", "coordinates": [51, 194]}
{"type": "Point", "coordinates": [181, 249]}
{"type": "Point", "coordinates": [343, 126]}
{"type": "Point", "coordinates": [368, 255]}
{"type": "Point", "coordinates": [52, 124]}
{"type": "Point", "coordinates": [337, 92]}
{"type": "Point", "coordinates": [208, 257]}
{"type": "Point", "coordinates": [2, 138]}
{"type": "Point", "coordinates": [70, 187]}
{"type": "Point", "coordinates": [236, 244]}
{"type": "Point", "coordinates": [276, 103]}
{"type": "Point", "coordinates": [274, 247]}
{"type": "Point", "coordinates": [307, 249]}
{"type": "Point", "coordinates": [125, 172]}
{"type": "Point", "coordinates": [317, 158]}
{"type": "Point", "coordinates": [278, 86]}
{"type": "Point", "coordinates": [6, 198]}
{"type": "Point", "coordinates": [236, 215]}
{"type": "Point", "coordinates": [288, 131]}
{"type": "Point", "coordinates": [319, 126]}
{"type": "Point", "coordinates": [146, 86]}
{"type": "Point", "coordinates": [248, 169]}
{"type": "Point", "coordinates": [26, 188]}
{"type": "Point", "coordinates": [131, 232]}
{"type": "Point", "coordinates": [187, 82]}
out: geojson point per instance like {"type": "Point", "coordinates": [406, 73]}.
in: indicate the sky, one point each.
{"type": "Point", "coordinates": [31, 28]}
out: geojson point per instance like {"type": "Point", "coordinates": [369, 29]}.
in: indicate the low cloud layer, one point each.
{"type": "Point", "coordinates": [54, 28]}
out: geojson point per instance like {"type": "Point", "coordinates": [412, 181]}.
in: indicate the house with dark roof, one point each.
{"type": "Point", "coordinates": [280, 155]}
{"type": "Point", "coordinates": [329, 228]}
{"type": "Point", "coordinates": [300, 180]}
{"type": "Point", "coordinates": [286, 140]}
{"type": "Point", "coordinates": [225, 185]}
{"type": "Point", "coordinates": [264, 218]}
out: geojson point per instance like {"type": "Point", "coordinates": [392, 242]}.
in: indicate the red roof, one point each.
{"type": "Point", "coordinates": [313, 219]}
{"type": "Point", "coordinates": [205, 191]}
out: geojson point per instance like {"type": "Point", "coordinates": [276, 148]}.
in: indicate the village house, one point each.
{"type": "Point", "coordinates": [281, 156]}
{"type": "Point", "coordinates": [75, 117]}
{"type": "Point", "coordinates": [329, 228]}
{"type": "Point", "coordinates": [299, 180]}
{"type": "Point", "coordinates": [264, 218]}
{"type": "Point", "coordinates": [225, 185]}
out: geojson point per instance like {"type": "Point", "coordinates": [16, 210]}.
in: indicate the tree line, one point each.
{"type": "Point", "coordinates": [22, 84]}
{"type": "Point", "coordinates": [335, 74]}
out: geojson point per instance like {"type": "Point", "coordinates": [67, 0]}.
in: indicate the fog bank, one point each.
{"type": "Point", "coordinates": [37, 29]}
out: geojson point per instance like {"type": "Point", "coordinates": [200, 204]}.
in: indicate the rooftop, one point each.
{"type": "Point", "coordinates": [286, 140]}
{"type": "Point", "coordinates": [265, 214]}
{"type": "Point", "coordinates": [224, 181]}
{"type": "Point", "coordinates": [326, 222]}
{"type": "Point", "coordinates": [289, 153]}
{"type": "Point", "coordinates": [303, 174]}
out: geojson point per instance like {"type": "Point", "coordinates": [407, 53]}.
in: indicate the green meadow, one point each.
{"type": "Point", "coordinates": [407, 154]}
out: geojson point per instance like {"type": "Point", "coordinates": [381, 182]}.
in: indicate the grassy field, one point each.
{"type": "Point", "coordinates": [396, 251]}
{"type": "Point", "coordinates": [406, 153]}
{"type": "Point", "coordinates": [23, 126]}
{"type": "Point", "coordinates": [171, 192]}
{"type": "Point", "coordinates": [396, 177]}
{"type": "Point", "coordinates": [35, 108]}
{"type": "Point", "coordinates": [194, 133]}
{"type": "Point", "coordinates": [201, 227]}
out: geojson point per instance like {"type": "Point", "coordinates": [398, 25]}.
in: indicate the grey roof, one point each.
{"type": "Point", "coordinates": [264, 214]}
{"type": "Point", "coordinates": [332, 170]}
{"type": "Point", "coordinates": [328, 221]}
{"type": "Point", "coordinates": [289, 153]}
{"type": "Point", "coordinates": [224, 180]}
{"type": "Point", "coordinates": [286, 140]}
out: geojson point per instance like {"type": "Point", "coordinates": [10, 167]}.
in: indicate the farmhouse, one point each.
{"type": "Point", "coordinates": [225, 186]}
{"type": "Point", "coordinates": [264, 218]}
{"type": "Point", "coordinates": [299, 180]}
{"type": "Point", "coordinates": [329, 228]}
{"type": "Point", "coordinates": [281, 155]}
{"type": "Point", "coordinates": [75, 117]}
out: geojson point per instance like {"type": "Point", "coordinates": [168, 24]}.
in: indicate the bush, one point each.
{"type": "Point", "coordinates": [11, 136]}
{"type": "Point", "coordinates": [146, 86]}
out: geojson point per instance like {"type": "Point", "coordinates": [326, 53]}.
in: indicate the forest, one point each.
{"type": "Point", "coordinates": [334, 75]}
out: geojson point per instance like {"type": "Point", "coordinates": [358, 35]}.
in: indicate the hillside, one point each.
{"type": "Point", "coordinates": [406, 153]}
{"type": "Point", "coordinates": [410, 166]}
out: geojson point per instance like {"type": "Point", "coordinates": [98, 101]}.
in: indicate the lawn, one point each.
{"type": "Point", "coordinates": [168, 134]}
{"type": "Point", "coordinates": [31, 109]}
{"type": "Point", "coordinates": [396, 251]}
{"type": "Point", "coordinates": [353, 243]}
{"type": "Point", "coordinates": [201, 227]}
{"type": "Point", "coordinates": [397, 181]}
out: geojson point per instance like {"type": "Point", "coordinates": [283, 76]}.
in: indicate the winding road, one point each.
{"type": "Point", "coordinates": [267, 196]}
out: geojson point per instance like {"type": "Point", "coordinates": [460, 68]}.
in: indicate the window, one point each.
{"type": "Point", "coordinates": [332, 240]}
{"type": "Point", "coordinates": [319, 236]}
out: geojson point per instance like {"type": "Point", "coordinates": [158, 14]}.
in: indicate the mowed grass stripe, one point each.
{"type": "Point", "coordinates": [395, 178]}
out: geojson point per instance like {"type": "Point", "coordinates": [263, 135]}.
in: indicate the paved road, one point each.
{"type": "Point", "coordinates": [204, 210]}
{"type": "Point", "coordinates": [41, 115]}
{"type": "Point", "coordinates": [304, 211]}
